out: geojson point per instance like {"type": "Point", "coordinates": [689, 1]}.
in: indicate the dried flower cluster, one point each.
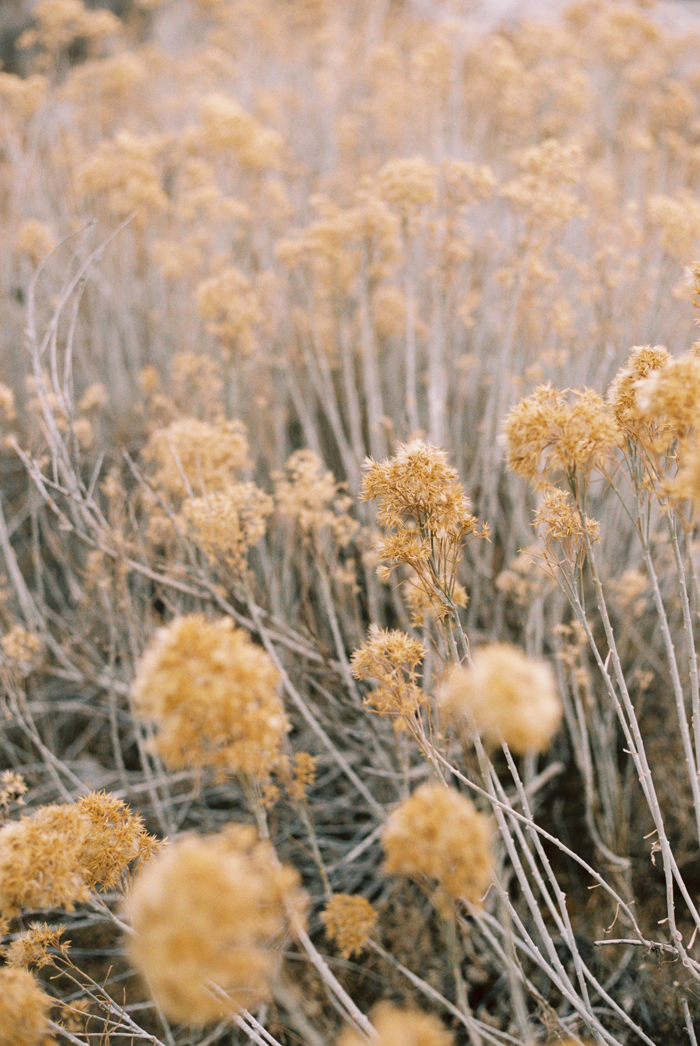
{"type": "Point", "coordinates": [212, 695]}
{"type": "Point", "coordinates": [397, 1027]}
{"type": "Point", "coordinates": [195, 457]}
{"type": "Point", "coordinates": [55, 857]}
{"type": "Point", "coordinates": [423, 503]}
{"type": "Point", "coordinates": [24, 1010]}
{"type": "Point", "coordinates": [227, 522]}
{"type": "Point", "coordinates": [548, 433]}
{"type": "Point", "coordinates": [392, 657]}
{"type": "Point", "coordinates": [210, 916]}
{"type": "Point", "coordinates": [308, 495]}
{"type": "Point", "coordinates": [507, 696]}
{"type": "Point", "coordinates": [349, 920]}
{"type": "Point", "coordinates": [439, 833]}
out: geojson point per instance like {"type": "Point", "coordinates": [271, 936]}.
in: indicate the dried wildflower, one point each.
{"type": "Point", "coordinates": [35, 239]}
{"type": "Point", "coordinates": [392, 657]}
{"type": "Point", "coordinates": [228, 522]}
{"type": "Point", "coordinates": [622, 396]}
{"type": "Point", "coordinates": [12, 789]}
{"type": "Point", "coordinates": [24, 1010]}
{"type": "Point", "coordinates": [303, 775]}
{"type": "Point", "coordinates": [439, 833]}
{"type": "Point", "coordinates": [126, 171]}
{"type": "Point", "coordinates": [508, 696]}
{"type": "Point", "coordinates": [212, 694]}
{"type": "Point", "coordinates": [548, 433]}
{"type": "Point", "coordinates": [195, 457]}
{"type": "Point", "coordinates": [421, 499]}
{"type": "Point", "coordinates": [397, 1027]}
{"type": "Point", "coordinates": [212, 913]}
{"type": "Point", "coordinates": [7, 402]}
{"type": "Point", "coordinates": [40, 865]}
{"type": "Point", "coordinates": [22, 649]}
{"type": "Point", "coordinates": [32, 948]}
{"type": "Point", "coordinates": [115, 839]}
{"type": "Point", "coordinates": [678, 220]}
{"type": "Point", "coordinates": [231, 307]}
{"type": "Point", "coordinates": [308, 495]}
{"type": "Point", "coordinates": [349, 920]}
{"type": "Point", "coordinates": [563, 524]}
{"type": "Point", "coordinates": [670, 397]}
{"type": "Point", "coordinates": [408, 184]}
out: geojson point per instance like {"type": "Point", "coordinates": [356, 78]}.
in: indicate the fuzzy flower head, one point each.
{"type": "Point", "coordinates": [392, 657]}
{"type": "Point", "coordinates": [399, 1027]}
{"type": "Point", "coordinates": [622, 397]}
{"type": "Point", "coordinates": [194, 457]}
{"type": "Point", "coordinates": [210, 917]}
{"type": "Point", "coordinates": [228, 522]}
{"type": "Point", "coordinates": [508, 696]}
{"type": "Point", "coordinates": [24, 1010]}
{"type": "Point", "coordinates": [551, 432]}
{"type": "Point", "coordinates": [54, 858]}
{"type": "Point", "coordinates": [349, 920]}
{"type": "Point", "coordinates": [212, 695]}
{"type": "Point", "coordinates": [670, 399]}
{"type": "Point", "coordinates": [439, 833]}
{"type": "Point", "coordinates": [421, 501]}
{"type": "Point", "coordinates": [307, 495]}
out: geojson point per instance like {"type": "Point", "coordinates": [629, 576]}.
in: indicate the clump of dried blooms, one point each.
{"type": "Point", "coordinates": [33, 947]}
{"type": "Point", "coordinates": [349, 920]}
{"type": "Point", "coordinates": [622, 396]}
{"type": "Point", "coordinates": [35, 239]}
{"type": "Point", "coordinates": [563, 524]}
{"type": "Point", "coordinates": [40, 860]}
{"type": "Point", "coordinates": [508, 696]}
{"type": "Point", "coordinates": [213, 913]}
{"type": "Point", "coordinates": [194, 457]}
{"type": "Point", "coordinates": [227, 522]}
{"type": "Point", "coordinates": [421, 500]}
{"type": "Point", "coordinates": [212, 694]}
{"type": "Point", "coordinates": [115, 839]}
{"type": "Point", "coordinates": [21, 649]}
{"type": "Point", "coordinates": [397, 1027]}
{"type": "Point", "coordinates": [24, 1010]}
{"type": "Point", "coordinates": [12, 789]}
{"type": "Point", "coordinates": [55, 857]}
{"type": "Point", "coordinates": [392, 657]}
{"type": "Point", "coordinates": [308, 495]}
{"type": "Point", "coordinates": [549, 432]}
{"type": "Point", "coordinates": [439, 833]}
{"type": "Point", "coordinates": [670, 397]}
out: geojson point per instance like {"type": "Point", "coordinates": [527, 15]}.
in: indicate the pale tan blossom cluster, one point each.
{"type": "Point", "coordinates": [55, 857]}
{"type": "Point", "coordinates": [401, 1027]}
{"type": "Point", "coordinates": [392, 657]}
{"type": "Point", "coordinates": [211, 694]}
{"type": "Point", "coordinates": [552, 432]}
{"type": "Point", "coordinates": [439, 833]}
{"type": "Point", "coordinates": [210, 917]}
{"type": "Point", "coordinates": [35, 239]}
{"type": "Point", "coordinates": [563, 524]}
{"type": "Point", "coordinates": [227, 522]}
{"type": "Point", "coordinates": [37, 947]}
{"type": "Point", "coordinates": [126, 172]}
{"type": "Point", "coordinates": [623, 395]}
{"type": "Point", "coordinates": [422, 502]}
{"type": "Point", "coordinates": [507, 696]}
{"type": "Point", "coordinates": [349, 919]}
{"type": "Point", "coordinates": [24, 1010]}
{"type": "Point", "coordinates": [308, 495]}
{"type": "Point", "coordinates": [231, 308]}
{"type": "Point", "coordinates": [196, 457]}
{"type": "Point", "coordinates": [21, 649]}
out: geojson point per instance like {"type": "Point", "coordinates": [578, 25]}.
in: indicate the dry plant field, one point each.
{"type": "Point", "coordinates": [349, 562]}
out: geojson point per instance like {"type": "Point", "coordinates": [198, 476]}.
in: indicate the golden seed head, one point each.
{"type": "Point", "coordinates": [439, 833]}
{"type": "Point", "coordinates": [24, 1010]}
{"type": "Point", "coordinates": [508, 696]}
{"type": "Point", "coordinates": [210, 916]}
{"type": "Point", "coordinates": [212, 695]}
{"type": "Point", "coordinates": [392, 657]}
{"type": "Point", "coordinates": [401, 1027]}
{"type": "Point", "coordinates": [349, 920]}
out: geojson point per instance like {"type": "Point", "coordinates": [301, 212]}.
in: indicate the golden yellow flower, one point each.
{"type": "Point", "coordinates": [24, 1010]}
{"type": "Point", "coordinates": [212, 695]}
{"type": "Point", "coordinates": [210, 916]}
{"type": "Point", "coordinates": [349, 920]}
{"type": "Point", "coordinates": [508, 696]}
{"type": "Point", "coordinates": [392, 657]}
{"type": "Point", "coordinates": [439, 833]}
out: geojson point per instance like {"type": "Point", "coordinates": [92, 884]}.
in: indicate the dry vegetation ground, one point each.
{"type": "Point", "coordinates": [311, 308]}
